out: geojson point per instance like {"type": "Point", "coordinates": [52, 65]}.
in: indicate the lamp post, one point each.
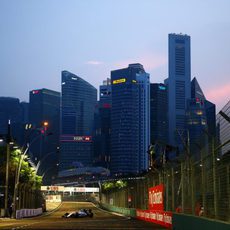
{"type": "Point", "coordinates": [8, 140]}
{"type": "Point", "coordinates": [40, 162]}
{"type": "Point", "coordinates": [44, 128]}
{"type": "Point", "coordinates": [7, 177]}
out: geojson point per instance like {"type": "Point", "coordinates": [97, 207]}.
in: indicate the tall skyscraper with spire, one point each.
{"type": "Point", "coordinates": [179, 86]}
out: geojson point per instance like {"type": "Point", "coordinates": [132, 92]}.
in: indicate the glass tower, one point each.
{"type": "Point", "coordinates": [179, 85]}
{"type": "Point", "coordinates": [44, 106]}
{"type": "Point", "coordinates": [130, 119]}
{"type": "Point", "coordinates": [77, 116]}
{"type": "Point", "coordinates": [159, 113]}
{"type": "Point", "coordinates": [102, 133]}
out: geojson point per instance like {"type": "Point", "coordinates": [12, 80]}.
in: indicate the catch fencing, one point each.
{"type": "Point", "coordinates": [198, 187]}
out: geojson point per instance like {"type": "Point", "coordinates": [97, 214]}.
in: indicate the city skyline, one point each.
{"type": "Point", "coordinates": [91, 38]}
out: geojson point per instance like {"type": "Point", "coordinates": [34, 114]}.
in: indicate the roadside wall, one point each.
{"type": "Point", "coordinates": [189, 222]}
{"type": "Point", "coordinates": [125, 211]}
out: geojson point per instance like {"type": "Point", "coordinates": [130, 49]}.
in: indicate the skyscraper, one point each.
{"type": "Point", "coordinates": [200, 119]}
{"type": "Point", "coordinates": [196, 119]}
{"type": "Point", "coordinates": [158, 113]}
{"type": "Point", "coordinates": [158, 118]}
{"type": "Point", "coordinates": [102, 134]}
{"type": "Point", "coordinates": [209, 108]}
{"type": "Point", "coordinates": [130, 120]}
{"type": "Point", "coordinates": [10, 109]}
{"type": "Point", "coordinates": [44, 106]}
{"type": "Point", "coordinates": [179, 86]}
{"type": "Point", "coordinates": [77, 116]}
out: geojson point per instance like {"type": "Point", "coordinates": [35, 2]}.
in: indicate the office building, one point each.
{"type": "Point", "coordinates": [77, 119]}
{"type": "Point", "coordinates": [179, 86]}
{"type": "Point", "coordinates": [158, 113]}
{"type": "Point", "coordinates": [130, 120]}
{"type": "Point", "coordinates": [10, 109]}
{"type": "Point", "coordinates": [158, 118]}
{"type": "Point", "coordinates": [102, 133]}
{"type": "Point", "coordinates": [200, 120]}
{"type": "Point", "coordinates": [44, 106]}
{"type": "Point", "coordinates": [210, 109]}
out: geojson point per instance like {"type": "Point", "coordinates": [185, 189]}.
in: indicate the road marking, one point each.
{"type": "Point", "coordinates": [23, 226]}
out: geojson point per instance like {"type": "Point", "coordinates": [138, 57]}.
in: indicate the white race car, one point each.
{"type": "Point", "coordinates": [79, 214]}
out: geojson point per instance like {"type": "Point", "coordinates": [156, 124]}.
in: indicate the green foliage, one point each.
{"type": "Point", "coordinates": [121, 184]}
{"type": "Point", "coordinates": [27, 172]}
{"type": "Point", "coordinates": [108, 186]}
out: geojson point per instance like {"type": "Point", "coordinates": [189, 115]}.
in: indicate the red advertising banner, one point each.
{"type": "Point", "coordinates": [156, 200]}
{"type": "Point", "coordinates": [158, 217]}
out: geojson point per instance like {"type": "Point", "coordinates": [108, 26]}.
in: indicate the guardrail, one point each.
{"type": "Point", "coordinates": [125, 211]}
{"type": "Point", "coordinates": [28, 213]}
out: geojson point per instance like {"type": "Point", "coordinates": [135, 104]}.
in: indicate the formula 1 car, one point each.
{"type": "Point", "coordinates": [79, 214]}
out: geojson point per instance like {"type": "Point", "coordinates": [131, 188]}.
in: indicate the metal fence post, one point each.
{"type": "Point", "coordinates": [214, 177]}
{"type": "Point", "coordinates": [192, 187]}
{"type": "Point", "coordinates": [173, 191]}
{"type": "Point", "coordinates": [203, 181]}
{"type": "Point", "coordinates": [167, 190]}
{"type": "Point", "coordinates": [228, 188]}
{"type": "Point", "coordinates": [182, 186]}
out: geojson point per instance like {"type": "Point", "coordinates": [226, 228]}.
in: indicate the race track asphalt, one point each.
{"type": "Point", "coordinates": [101, 220]}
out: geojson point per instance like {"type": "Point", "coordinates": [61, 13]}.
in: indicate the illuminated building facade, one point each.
{"type": "Point", "coordinates": [77, 117]}
{"type": "Point", "coordinates": [200, 120]}
{"type": "Point", "coordinates": [130, 120]}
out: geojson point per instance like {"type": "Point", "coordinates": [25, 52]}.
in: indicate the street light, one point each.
{"type": "Point", "coordinates": [8, 140]}
{"type": "Point", "coordinates": [17, 176]}
{"type": "Point", "coordinates": [45, 123]}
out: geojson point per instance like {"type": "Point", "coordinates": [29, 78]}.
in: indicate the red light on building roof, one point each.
{"type": "Point", "coordinates": [35, 91]}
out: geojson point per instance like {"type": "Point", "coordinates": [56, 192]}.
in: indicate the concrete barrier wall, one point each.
{"type": "Point", "coordinates": [28, 213]}
{"type": "Point", "coordinates": [125, 211]}
{"type": "Point", "coordinates": [189, 222]}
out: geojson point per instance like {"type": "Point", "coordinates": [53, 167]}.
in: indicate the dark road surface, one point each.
{"type": "Point", "coordinates": [101, 220]}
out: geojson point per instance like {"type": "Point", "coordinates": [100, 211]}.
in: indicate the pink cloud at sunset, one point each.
{"type": "Point", "coordinates": [219, 95]}
{"type": "Point", "coordinates": [94, 62]}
